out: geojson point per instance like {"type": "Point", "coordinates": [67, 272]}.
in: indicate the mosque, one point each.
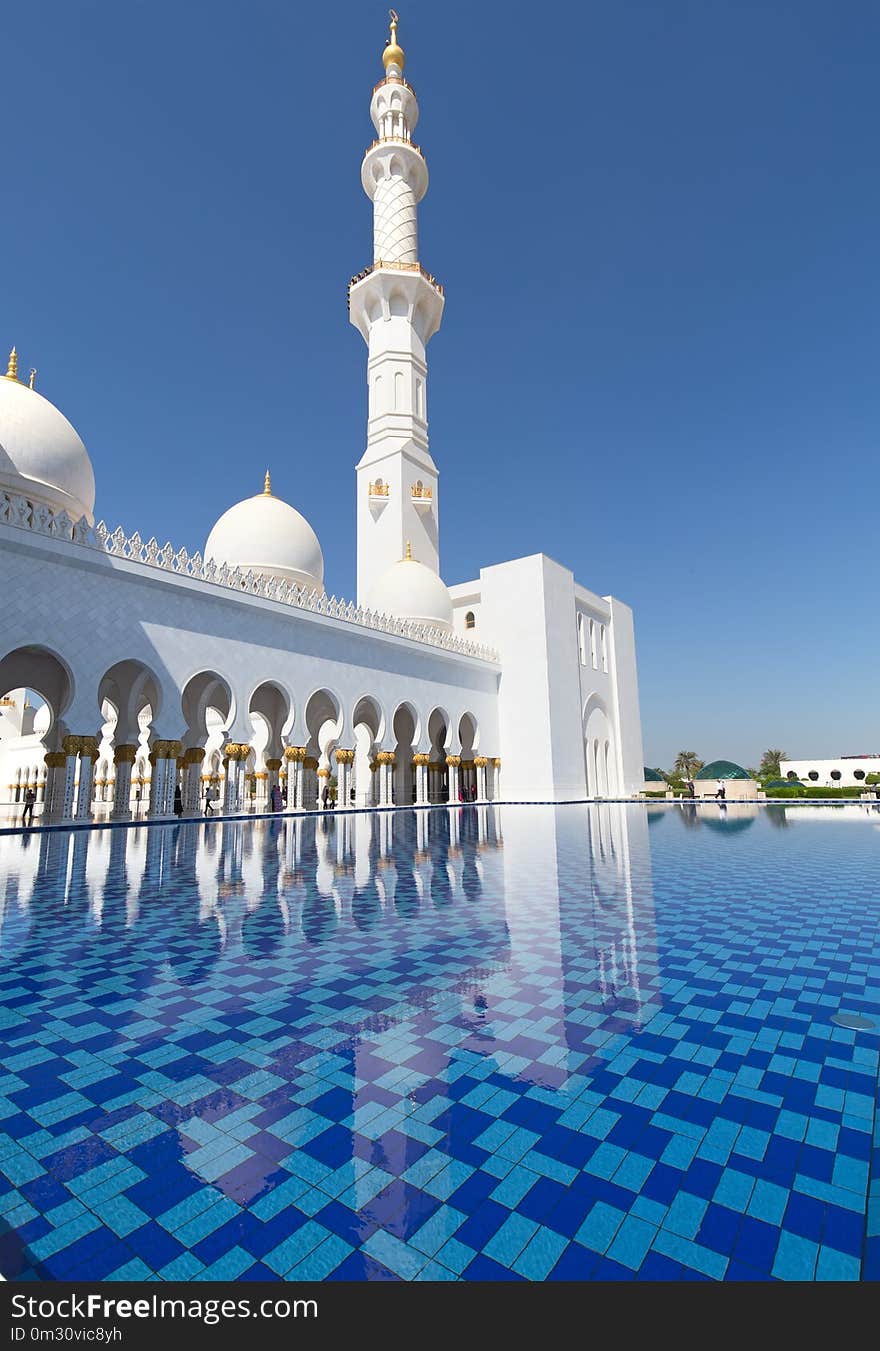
{"type": "Point", "coordinates": [129, 668]}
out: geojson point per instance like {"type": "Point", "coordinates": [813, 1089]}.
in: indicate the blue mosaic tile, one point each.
{"type": "Point", "coordinates": [362, 1047]}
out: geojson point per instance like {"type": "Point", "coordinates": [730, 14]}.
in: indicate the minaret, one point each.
{"type": "Point", "coordinates": [397, 307]}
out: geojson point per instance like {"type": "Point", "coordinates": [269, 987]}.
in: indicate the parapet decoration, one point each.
{"type": "Point", "coordinates": [17, 511]}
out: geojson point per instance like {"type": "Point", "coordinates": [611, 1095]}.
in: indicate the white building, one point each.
{"type": "Point", "coordinates": [848, 771]}
{"type": "Point", "coordinates": [161, 668]}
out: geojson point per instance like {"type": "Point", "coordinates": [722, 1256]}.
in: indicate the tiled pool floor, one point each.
{"type": "Point", "coordinates": [584, 1043]}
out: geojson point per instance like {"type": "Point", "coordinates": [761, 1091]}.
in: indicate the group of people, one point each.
{"type": "Point", "coordinates": [719, 796]}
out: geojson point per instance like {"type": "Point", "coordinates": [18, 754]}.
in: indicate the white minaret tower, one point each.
{"type": "Point", "coordinates": [396, 305]}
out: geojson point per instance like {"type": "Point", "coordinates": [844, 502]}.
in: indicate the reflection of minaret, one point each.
{"type": "Point", "coordinates": [396, 307]}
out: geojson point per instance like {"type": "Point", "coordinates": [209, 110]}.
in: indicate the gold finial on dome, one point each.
{"type": "Point", "coordinates": [267, 485]}
{"type": "Point", "coordinates": [407, 557]}
{"type": "Point", "coordinates": [393, 55]}
{"type": "Point", "coordinates": [12, 368]}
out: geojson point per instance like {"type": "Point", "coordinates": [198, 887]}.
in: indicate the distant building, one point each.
{"type": "Point", "coordinates": [847, 771]}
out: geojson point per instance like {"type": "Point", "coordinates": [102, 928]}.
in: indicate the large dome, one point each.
{"type": "Point", "coordinates": [263, 534]}
{"type": "Point", "coordinates": [722, 769]}
{"type": "Point", "coordinates": [41, 456]}
{"type": "Point", "coordinates": [411, 591]}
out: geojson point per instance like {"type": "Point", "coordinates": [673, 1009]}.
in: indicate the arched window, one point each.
{"type": "Point", "coordinates": [813, 774]}
{"type": "Point", "coordinates": [469, 620]}
{"type": "Point", "coordinates": [603, 640]}
{"type": "Point", "coordinates": [835, 774]}
{"type": "Point", "coordinates": [582, 639]}
{"type": "Point", "coordinates": [858, 773]}
{"type": "Point", "coordinates": [791, 774]}
{"type": "Point", "coordinates": [594, 656]}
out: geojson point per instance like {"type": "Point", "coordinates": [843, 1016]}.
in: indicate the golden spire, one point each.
{"type": "Point", "coordinates": [12, 368]}
{"type": "Point", "coordinates": [267, 485]}
{"type": "Point", "coordinates": [32, 377]}
{"type": "Point", "coordinates": [407, 557]}
{"type": "Point", "coordinates": [393, 55]}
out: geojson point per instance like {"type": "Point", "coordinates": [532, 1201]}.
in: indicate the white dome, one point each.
{"type": "Point", "coordinates": [264, 534]}
{"type": "Point", "coordinates": [41, 456]}
{"type": "Point", "coordinates": [411, 591]}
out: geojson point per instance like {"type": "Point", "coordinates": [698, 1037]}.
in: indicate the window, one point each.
{"type": "Point", "coordinates": [582, 640]}
{"type": "Point", "coordinates": [593, 652]}
{"type": "Point", "coordinates": [835, 774]}
{"type": "Point", "coordinates": [858, 774]}
{"type": "Point", "coordinates": [791, 774]}
{"type": "Point", "coordinates": [603, 639]}
{"type": "Point", "coordinates": [813, 774]}
{"type": "Point", "coordinates": [469, 620]}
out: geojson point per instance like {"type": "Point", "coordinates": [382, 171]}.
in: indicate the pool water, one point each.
{"type": "Point", "coordinates": [480, 1043]}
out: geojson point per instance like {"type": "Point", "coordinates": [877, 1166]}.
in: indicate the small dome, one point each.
{"type": "Point", "coordinates": [653, 776]}
{"type": "Point", "coordinates": [723, 769]}
{"type": "Point", "coordinates": [41, 455]}
{"type": "Point", "coordinates": [409, 590]}
{"type": "Point", "coordinates": [263, 534]}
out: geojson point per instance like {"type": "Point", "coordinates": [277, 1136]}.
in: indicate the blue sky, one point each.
{"type": "Point", "coordinates": [657, 226]}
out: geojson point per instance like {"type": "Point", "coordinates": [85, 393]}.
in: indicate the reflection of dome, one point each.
{"type": "Point", "coordinates": [411, 591]}
{"type": "Point", "coordinates": [41, 456]}
{"type": "Point", "coordinates": [727, 824]}
{"type": "Point", "coordinates": [722, 769]}
{"type": "Point", "coordinates": [263, 534]}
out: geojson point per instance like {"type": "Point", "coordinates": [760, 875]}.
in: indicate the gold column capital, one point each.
{"type": "Point", "coordinates": [385, 758]}
{"type": "Point", "coordinates": [88, 747]}
{"type": "Point", "coordinates": [274, 763]}
{"type": "Point", "coordinates": [420, 758]}
{"type": "Point", "coordinates": [194, 756]}
{"type": "Point", "coordinates": [323, 773]}
{"type": "Point", "coordinates": [125, 754]}
{"type": "Point", "coordinates": [55, 760]}
{"type": "Point", "coordinates": [309, 762]}
{"type": "Point", "coordinates": [344, 757]}
{"type": "Point", "coordinates": [454, 761]}
{"type": "Point", "coordinates": [295, 753]}
{"type": "Point", "coordinates": [71, 744]}
{"type": "Point", "coordinates": [481, 761]}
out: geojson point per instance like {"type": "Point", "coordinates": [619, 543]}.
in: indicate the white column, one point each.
{"type": "Point", "coordinates": [70, 747]}
{"type": "Point", "coordinates": [53, 802]}
{"type": "Point", "coordinates": [453, 763]}
{"type": "Point", "coordinates": [420, 764]}
{"type": "Point", "coordinates": [344, 762]}
{"type": "Point", "coordinates": [385, 762]}
{"type": "Point", "coordinates": [273, 770]}
{"type": "Point", "coordinates": [309, 777]}
{"type": "Point", "coordinates": [293, 756]}
{"type": "Point", "coordinates": [88, 754]}
{"type": "Point", "coordinates": [123, 757]}
{"type": "Point", "coordinates": [192, 781]}
{"type": "Point", "coordinates": [157, 781]}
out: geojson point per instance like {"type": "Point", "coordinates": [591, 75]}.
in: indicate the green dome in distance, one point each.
{"type": "Point", "coordinates": [653, 776]}
{"type": "Point", "coordinates": [723, 769]}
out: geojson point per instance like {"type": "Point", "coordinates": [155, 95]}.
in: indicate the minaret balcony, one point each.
{"type": "Point", "coordinates": [378, 494]}
{"type": "Point", "coordinates": [370, 292]}
{"type": "Point", "coordinates": [422, 497]}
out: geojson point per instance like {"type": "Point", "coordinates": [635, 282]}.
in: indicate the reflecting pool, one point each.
{"type": "Point", "coordinates": [580, 1043]}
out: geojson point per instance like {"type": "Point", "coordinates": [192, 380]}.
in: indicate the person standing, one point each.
{"type": "Point", "coordinates": [325, 796]}
{"type": "Point", "coordinates": [178, 801]}
{"type": "Point", "coordinates": [27, 816]}
{"type": "Point", "coordinates": [209, 797]}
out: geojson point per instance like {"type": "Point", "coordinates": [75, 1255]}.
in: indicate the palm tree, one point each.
{"type": "Point", "coordinates": [769, 768]}
{"type": "Point", "coordinates": [687, 764]}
